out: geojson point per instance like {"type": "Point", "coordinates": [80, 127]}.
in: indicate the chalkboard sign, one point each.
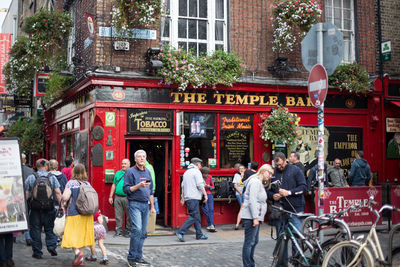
{"type": "Point", "coordinates": [237, 145]}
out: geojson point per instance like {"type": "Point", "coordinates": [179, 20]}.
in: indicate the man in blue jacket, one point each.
{"type": "Point", "coordinates": [360, 172]}
{"type": "Point", "coordinates": [291, 191]}
{"type": "Point", "coordinates": [138, 187]}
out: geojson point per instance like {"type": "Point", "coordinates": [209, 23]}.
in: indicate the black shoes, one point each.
{"type": "Point", "coordinates": [131, 263]}
{"type": "Point", "coordinates": [52, 252]}
{"type": "Point", "coordinates": [37, 256]}
{"type": "Point", "coordinates": [10, 263]}
{"type": "Point", "coordinates": [28, 242]}
{"type": "Point", "coordinates": [142, 262]}
{"type": "Point", "coordinates": [117, 234]}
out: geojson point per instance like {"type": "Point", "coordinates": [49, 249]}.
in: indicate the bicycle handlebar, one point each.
{"type": "Point", "coordinates": [291, 213]}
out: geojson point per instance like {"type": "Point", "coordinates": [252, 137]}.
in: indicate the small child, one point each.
{"type": "Point", "coordinates": [99, 236]}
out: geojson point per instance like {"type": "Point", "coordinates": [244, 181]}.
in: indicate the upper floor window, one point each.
{"type": "Point", "coordinates": [199, 25]}
{"type": "Point", "coordinates": [341, 14]}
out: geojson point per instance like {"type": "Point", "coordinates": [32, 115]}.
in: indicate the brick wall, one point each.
{"type": "Point", "coordinates": [390, 21]}
{"type": "Point", "coordinates": [250, 38]}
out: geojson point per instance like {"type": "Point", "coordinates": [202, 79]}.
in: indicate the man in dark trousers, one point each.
{"type": "Point", "coordinates": [291, 191]}
{"type": "Point", "coordinates": [360, 172]}
{"type": "Point", "coordinates": [138, 187]}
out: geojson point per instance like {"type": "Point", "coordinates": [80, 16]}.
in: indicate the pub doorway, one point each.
{"type": "Point", "coordinates": [159, 156]}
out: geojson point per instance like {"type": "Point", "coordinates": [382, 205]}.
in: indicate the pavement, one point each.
{"type": "Point", "coordinates": [222, 249]}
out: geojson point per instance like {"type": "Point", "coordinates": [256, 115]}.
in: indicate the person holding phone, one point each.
{"type": "Point", "coordinates": [138, 187]}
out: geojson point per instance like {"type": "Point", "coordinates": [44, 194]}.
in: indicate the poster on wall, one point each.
{"type": "Point", "coordinates": [393, 138]}
{"type": "Point", "coordinates": [340, 142]}
{"type": "Point", "coordinates": [13, 215]}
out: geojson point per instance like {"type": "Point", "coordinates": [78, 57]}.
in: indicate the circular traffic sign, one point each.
{"type": "Point", "coordinates": [317, 85]}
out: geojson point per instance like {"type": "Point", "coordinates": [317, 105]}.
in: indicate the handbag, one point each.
{"type": "Point", "coordinates": [59, 223]}
{"type": "Point", "coordinates": [275, 213]}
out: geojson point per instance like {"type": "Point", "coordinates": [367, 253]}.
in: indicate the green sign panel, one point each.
{"type": "Point", "coordinates": [110, 119]}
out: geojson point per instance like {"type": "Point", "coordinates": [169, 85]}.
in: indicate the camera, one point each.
{"type": "Point", "coordinates": [275, 184]}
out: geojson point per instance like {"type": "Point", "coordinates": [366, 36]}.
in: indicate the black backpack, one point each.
{"type": "Point", "coordinates": [42, 193]}
{"type": "Point", "coordinates": [223, 190]}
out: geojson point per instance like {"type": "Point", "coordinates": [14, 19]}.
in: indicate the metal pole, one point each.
{"type": "Point", "coordinates": [320, 60]}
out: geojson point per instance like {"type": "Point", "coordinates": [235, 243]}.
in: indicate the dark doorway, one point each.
{"type": "Point", "coordinates": [157, 156]}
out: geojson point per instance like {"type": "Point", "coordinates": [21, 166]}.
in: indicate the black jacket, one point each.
{"type": "Point", "coordinates": [291, 179]}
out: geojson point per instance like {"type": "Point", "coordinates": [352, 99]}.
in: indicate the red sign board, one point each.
{"type": "Point", "coordinates": [317, 85]}
{"type": "Point", "coordinates": [395, 200]}
{"type": "Point", "coordinates": [5, 45]}
{"type": "Point", "coordinates": [339, 198]}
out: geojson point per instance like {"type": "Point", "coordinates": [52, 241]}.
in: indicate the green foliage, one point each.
{"type": "Point", "coordinates": [352, 78]}
{"type": "Point", "coordinates": [280, 125]}
{"type": "Point", "coordinates": [131, 14]}
{"type": "Point", "coordinates": [182, 68]}
{"type": "Point", "coordinates": [45, 47]}
{"type": "Point", "coordinates": [30, 131]}
{"type": "Point", "coordinates": [291, 20]}
{"type": "Point", "coordinates": [57, 84]}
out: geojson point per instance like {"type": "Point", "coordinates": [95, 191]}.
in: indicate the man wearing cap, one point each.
{"type": "Point", "coordinates": [192, 192]}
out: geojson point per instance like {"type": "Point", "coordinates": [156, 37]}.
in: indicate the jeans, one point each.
{"type": "Point", "coordinates": [208, 210]}
{"type": "Point", "coordinates": [194, 218]}
{"type": "Point", "coordinates": [250, 242]}
{"type": "Point", "coordinates": [6, 247]}
{"type": "Point", "coordinates": [296, 222]}
{"type": "Point", "coordinates": [37, 220]}
{"type": "Point", "coordinates": [239, 198]}
{"type": "Point", "coordinates": [139, 212]}
{"type": "Point", "coordinates": [121, 205]}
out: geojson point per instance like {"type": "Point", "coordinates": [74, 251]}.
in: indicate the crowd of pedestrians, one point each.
{"type": "Point", "coordinates": [132, 195]}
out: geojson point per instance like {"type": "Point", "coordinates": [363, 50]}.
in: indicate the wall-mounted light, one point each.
{"type": "Point", "coordinates": [153, 63]}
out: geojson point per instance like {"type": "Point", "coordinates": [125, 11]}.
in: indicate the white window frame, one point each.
{"type": "Point", "coordinates": [346, 58]}
{"type": "Point", "coordinates": [71, 41]}
{"type": "Point", "coordinates": [173, 17]}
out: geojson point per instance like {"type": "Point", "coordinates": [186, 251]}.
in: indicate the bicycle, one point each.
{"type": "Point", "coordinates": [358, 253]}
{"type": "Point", "coordinates": [291, 232]}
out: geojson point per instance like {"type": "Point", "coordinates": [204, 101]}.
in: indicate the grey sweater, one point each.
{"type": "Point", "coordinates": [192, 183]}
{"type": "Point", "coordinates": [255, 199]}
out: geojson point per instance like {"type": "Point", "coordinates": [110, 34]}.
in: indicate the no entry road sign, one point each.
{"type": "Point", "coordinates": [317, 85]}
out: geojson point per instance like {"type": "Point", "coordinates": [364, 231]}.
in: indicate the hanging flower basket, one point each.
{"type": "Point", "coordinates": [291, 20]}
{"type": "Point", "coordinates": [352, 78]}
{"type": "Point", "coordinates": [280, 125]}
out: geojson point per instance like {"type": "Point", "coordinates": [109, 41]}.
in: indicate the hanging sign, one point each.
{"type": "Point", "coordinates": [157, 122]}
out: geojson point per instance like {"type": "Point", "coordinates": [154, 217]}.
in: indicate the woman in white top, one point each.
{"type": "Point", "coordinates": [238, 185]}
{"type": "Point", "coordinates": [253, 211]}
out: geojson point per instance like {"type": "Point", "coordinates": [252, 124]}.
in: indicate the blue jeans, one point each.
{"type": "Point", "coordinates": [239, 198]}
{"type": "Point", "coordinates": [6, 247]}
{"type": "Point", "coordinates": [208, 210]}
{"type": "Point", "coordinates": [296, 222]}
{"type": "Point", "coordinates": [139, 213]}
{"type": "Point", "coordinates": [194, 218]}
{"type": "Point", "coordinates": [37, 220]}
{"type": "Point", "coordinates": [250, 242]}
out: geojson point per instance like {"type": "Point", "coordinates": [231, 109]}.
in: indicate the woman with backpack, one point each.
{"type": "Point", "coordinates": [253, 211]}
{"type": "Point", "coordinates": [79, 229]}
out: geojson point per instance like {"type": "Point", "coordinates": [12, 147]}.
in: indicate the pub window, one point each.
{"type": "Point", "coordinates": [199, 25]}
{"type": "Point", "coordinates": [235, 139]}
{"type": "Point", "coordinates": [199, 129]}
{"type": "Point", "coordinates": [341, 14]}
{"type": "Point", "coordinates": [77, 123]}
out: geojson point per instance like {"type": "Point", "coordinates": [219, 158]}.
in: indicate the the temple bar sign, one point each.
{"type": "Point", "coordinates": [392, 125]}
{"type": "Point", "coordinates": [157, 122]}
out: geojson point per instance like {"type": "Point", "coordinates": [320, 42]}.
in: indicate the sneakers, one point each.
{"type": "Point", "coordinates": [180, 237]}
{"type": "Point", "coordinates": [211, 228]}
{"type": "Point", "coordinates": [104, 262]}
{"type": "Point", "coordinates": [78, 259]}
{"type": "Point", "coordinates": [131, 263]}
{"type": "Point", "coordinates": [90, 258]}
{"type": "Point", "coordinates": [37, 256]}
{"type": "Point", "coordinates": [52, 252]}
{"type": "Point", "coordinates": [117, 234]}
{"type": "Point", "coordinates": [142, 262]}
{"type": "Point", "coordinates": [203, 237]}
{"type": "Point", "coordinates": [126, 234]}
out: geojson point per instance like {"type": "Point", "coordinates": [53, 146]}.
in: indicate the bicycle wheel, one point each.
{"type": "Point", "coordinates": [396, 257]}
{"type": "Point", "coordinates": [279, 251]}
{"type": "Point", "coordinates": [343, 253]}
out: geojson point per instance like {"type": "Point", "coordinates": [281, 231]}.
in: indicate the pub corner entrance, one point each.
{"type": "Point", "coordinates": [159, 156]}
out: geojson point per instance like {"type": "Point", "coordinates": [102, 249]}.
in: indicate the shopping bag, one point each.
{"type": "Point", "coordinates": [59, 224]}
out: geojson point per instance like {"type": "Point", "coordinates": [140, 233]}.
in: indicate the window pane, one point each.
{"type": "Point", "coordinates": [77, 123]}
{"type": "Point", "coordinates": [219, 47]}
{"type": "Point", "coordinates": [203, 8]}
{"type": "Point", "coordinates": [192, 8]}
{"type": "Point", "coordinates": [182, 28]}
{"type": "Point", "coordinates": [219, 9]}
{"type": "Point", "coordinates": [183, 45]}
{"type": "Point", "coordinates": [182, 7]}
{"type": "Point", "coordinates": [199, 136]}
{"type": "Point", "coordinates": [337, 13]}
{"type": "Point", "coordinates": [235, 139]}
{"type": "Point", "coordinates": [338, 23]}
{"type": "Point", "coordinates": [336, 3]}
{"type": "Point", "coordinates": [202, 30]}
{"type": "Point", "coordinates": [347, 24]}
{"type": "Point", "coordinates": [346, 4]}
{"type": "Point", "coordinates": [219, 31]}
{"type": "Point", "coordinates": [165, 29]}
{"type": "Point", "coordinates": [193, 48]}
{"type": "Point", "coordinates": [167, 5]}
{"type": "Point", "coordinates": [346, 14]}
{"type": "Point", "coordinates": [202, 49]}
{"type": "Point", "coordinates": [192, 29]}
